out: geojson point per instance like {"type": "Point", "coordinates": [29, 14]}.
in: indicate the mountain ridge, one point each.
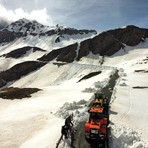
{"type": "Point", "coordinates": [24, 27]}
{"type": "Point", "coordinates": [106, 43]}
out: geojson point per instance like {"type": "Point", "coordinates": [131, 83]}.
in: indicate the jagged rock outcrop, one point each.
{"type": "Point", "coordinates": [105, 44]}
{"type": "Point", "coordinates": [50, 56]}
{"type": "Point", "coordinates": [84, 49]}
{"type": "Point", "coordinates": [72, 31]}
{"type": "Point", "coordinates": [66, 32]}
{"type": "Point", "coordinates": [18, 71]}
{"type": "Point", "coordinates": [109, 42]}
{"type": "Point", "coordinates": [102, 44]}
{"type": "Point", "coordinates": [66, 54]}
{"type": "Point", "coordinates": [17, 53]}
{"type": "Point", "coordinates": [6, 36]}
{"type": "Point", "coordinates": [130, 35]}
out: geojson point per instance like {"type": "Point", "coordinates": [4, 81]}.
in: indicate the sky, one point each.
{"type": "Point", "coordinates": [100, 15]}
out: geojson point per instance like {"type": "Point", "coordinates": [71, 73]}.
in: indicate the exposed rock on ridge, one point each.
{"type": "Point", "coordinates": [18, 71]}
{"type": "Point", "coordinates": [17, 53]}
{"type": "Point", "coordinates": [66, 54]}
{"type": "Point", "coordinates": [106, 43]}
{"type": "Point", "coordinates": [6, 36]}
{"type": "Point", "coordinates": [102, 44]}
{"type": "Point", "coordinates": [131, 35]}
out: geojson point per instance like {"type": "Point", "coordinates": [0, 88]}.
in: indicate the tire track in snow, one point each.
{"type": "Point", "coordinates": [129, 108]}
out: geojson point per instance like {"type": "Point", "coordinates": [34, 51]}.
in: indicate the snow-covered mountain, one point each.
{"type": "Point", "coordinates": [32, 31]}
{"type": "Point", "coordinates": [42, 69]}
{"type": "Point", "coordinates": [25, 27]}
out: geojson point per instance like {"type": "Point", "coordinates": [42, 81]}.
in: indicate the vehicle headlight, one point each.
{"type": "Point", "coordinates": [94, 131]}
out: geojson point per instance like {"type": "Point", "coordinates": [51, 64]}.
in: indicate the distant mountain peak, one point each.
{"type": "Point", "coordinates": [32, 27]}
{"type": "Point", "coordinates": [23, 20]}
{"type": "Point", "coordinates": [26, 26]}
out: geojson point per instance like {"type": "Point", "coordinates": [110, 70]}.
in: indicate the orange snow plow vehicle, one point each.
{"type": "Point", "coordinates": [96, 129]}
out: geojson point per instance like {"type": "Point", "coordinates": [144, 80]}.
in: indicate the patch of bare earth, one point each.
{"type": "Point", "coordinates": [140, 87]}
{"type": "Point", "coordinates": [90, 75]}
{"type": "Point", "coordinates": [141, 70]}
{"type": "Point", "coordinates": [17, 93]}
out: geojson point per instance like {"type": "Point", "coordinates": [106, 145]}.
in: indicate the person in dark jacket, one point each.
{"type": "Point", "coordinates": [64, 131]}
{"type": "Point", "coordinates": [68, 122]}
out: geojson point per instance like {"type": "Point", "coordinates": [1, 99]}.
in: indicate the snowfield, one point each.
{"type": "Point", "coordinates": [130, 117]}
{"type": "Point", "coordinates": [36, 122]}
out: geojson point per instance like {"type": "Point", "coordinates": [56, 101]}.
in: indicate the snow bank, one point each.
{"type": "Point", "coordinates": [125, 137]}
{"type": "Point", "coordinates": [78, 109]}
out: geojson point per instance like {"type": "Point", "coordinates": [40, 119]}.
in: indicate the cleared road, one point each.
{"type": "Point", "coordinates": [80, 141]}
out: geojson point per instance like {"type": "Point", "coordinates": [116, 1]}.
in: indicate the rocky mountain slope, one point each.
{"type": "Point", "coordinates": [60, 69]}
{"type": "Point", "coordinates": [24, 27]}
{"type": "Point", "coordinates": [105, 44]}
{"type": "Point", "coordinates": [25, 33]}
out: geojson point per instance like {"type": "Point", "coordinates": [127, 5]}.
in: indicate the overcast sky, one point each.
{"type": "Point", "coordinates": [100, 15]}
